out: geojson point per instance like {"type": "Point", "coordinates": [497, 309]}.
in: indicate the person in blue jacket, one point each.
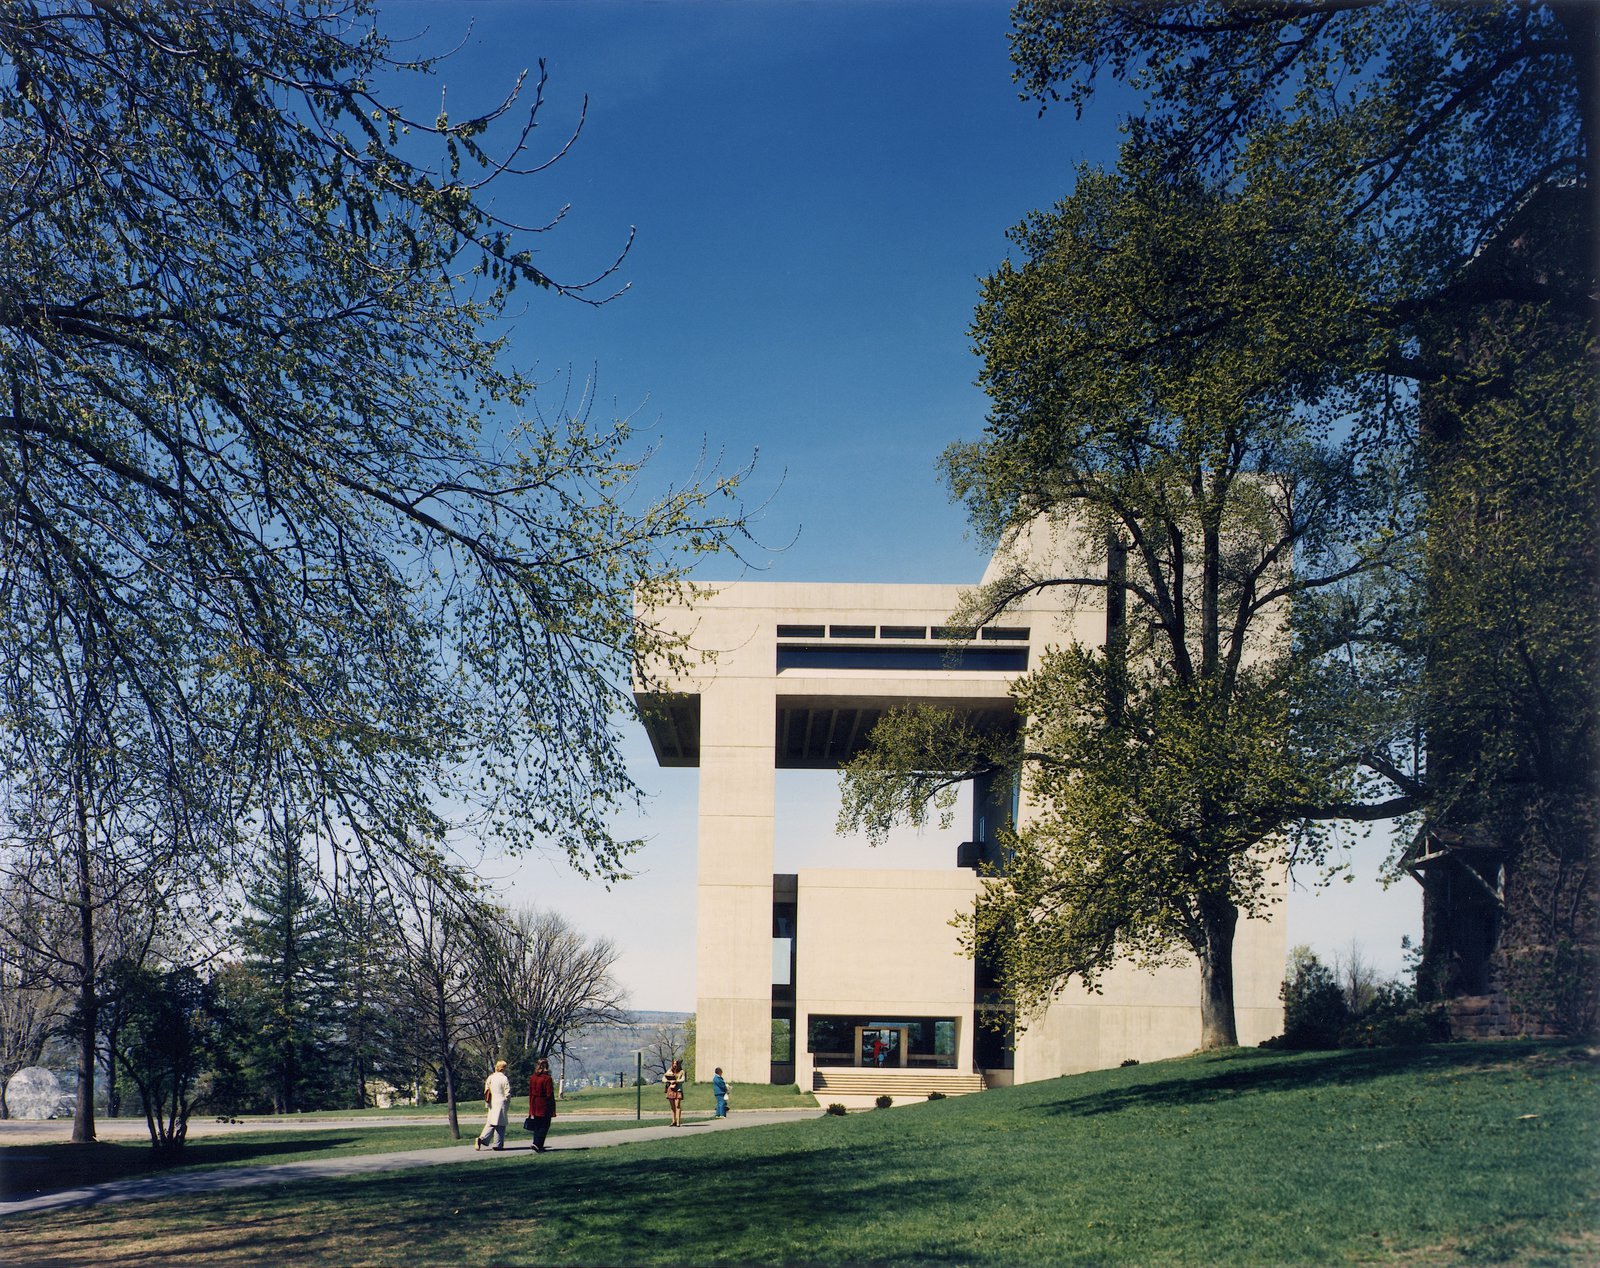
{"type": "Point", "coordinates": [719, 1089]}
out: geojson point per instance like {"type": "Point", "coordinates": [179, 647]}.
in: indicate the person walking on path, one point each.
{"type": "Point", "coordinates": [497, 1095]}
{"type": "Point", "coordinates": [719, 1089]}
{"type": "Point", "coordinates": [674, 1080]}
{"type": "Point", "coordinates": [541, 1103]}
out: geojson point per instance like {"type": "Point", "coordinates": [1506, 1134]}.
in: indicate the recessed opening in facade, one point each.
{"type": "Point", "coordinates": [898, 656]}
{"type": "Point", "coordinates": [864, 1040]}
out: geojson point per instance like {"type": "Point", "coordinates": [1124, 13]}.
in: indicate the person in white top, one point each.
{"type": "Point", "coordinates": [497, 1095]}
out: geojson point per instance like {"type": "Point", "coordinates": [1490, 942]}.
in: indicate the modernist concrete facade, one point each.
{"type": "Point", "coordinates": [803, 974]}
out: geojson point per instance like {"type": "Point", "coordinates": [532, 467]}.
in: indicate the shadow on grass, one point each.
{"type": "Point", "coordinates": [29, 1170]}
{"type": "Point", "coordinates": [1257, 1071]}
{"type": "Point", "coordinates": [967, 1181]}
{"type": "Point", "coordinates": [772, 1204]}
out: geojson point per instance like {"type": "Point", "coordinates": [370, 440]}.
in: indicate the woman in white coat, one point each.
{"type": "Point", "coordinates": [497, 1094]}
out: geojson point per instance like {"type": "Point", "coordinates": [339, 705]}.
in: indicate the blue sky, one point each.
{"type": "Point", "coordinates": [815, 189]}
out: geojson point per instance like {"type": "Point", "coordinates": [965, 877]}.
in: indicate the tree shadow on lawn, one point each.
{"type": "Point", "coordinates": [778, 1203]}
{"type": "Point", "coordinates": [1253, 1071]}
{"type": "Point", "coordinates": [779, 1206]}
{"type": "Point", "coordinates": [29, 1170]}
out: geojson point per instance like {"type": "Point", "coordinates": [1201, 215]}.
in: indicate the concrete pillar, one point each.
{"type": "Point", "coordinates": [734, 957]}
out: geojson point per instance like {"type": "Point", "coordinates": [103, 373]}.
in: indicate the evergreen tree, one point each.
{"type": "Point", "coordinates": [368, 951]}
{"type": "Point", "coordinates": [290, 948]}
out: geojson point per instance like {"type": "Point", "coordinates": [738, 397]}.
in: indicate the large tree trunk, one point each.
{"type": "Point", "coordinates": [449, 1068]}
{"type": "Point", "coordinates": [358, 1015]}
{"type": "Point", "coordinates": [1218, 1029]}
{"type": "Point", "coordinates": [88, 1000]}
{"type": "Point", "coordinates": [113, 1097]}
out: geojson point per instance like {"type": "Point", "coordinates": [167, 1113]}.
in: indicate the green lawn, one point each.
{"type": "Point", "coordinates": [696, 1097]}
{"type": "Point", "coordinates": [609, 1100]}
{"type": "Point", "coordinates": [1454, 1154]}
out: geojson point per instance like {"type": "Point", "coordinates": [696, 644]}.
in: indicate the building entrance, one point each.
{"type": "Point", "coordinates": [881, 1046]}
{"type": "Point", "coordinates": [868, 1041]}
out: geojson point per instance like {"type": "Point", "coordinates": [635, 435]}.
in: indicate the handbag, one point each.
{"type": "Point", "coordinates": [527, 1123]}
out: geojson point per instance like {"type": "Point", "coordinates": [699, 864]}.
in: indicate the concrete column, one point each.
{"type": "Point", "coordinates": [734, 960]}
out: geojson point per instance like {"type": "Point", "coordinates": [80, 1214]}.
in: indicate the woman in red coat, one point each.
{"type": "Point", "coordinates": [541, 1102]}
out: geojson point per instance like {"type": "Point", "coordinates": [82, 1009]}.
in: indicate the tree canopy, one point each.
{"type": "Point", "coordinates": [1154, 368]}
{"type": "Point", "coordinates": [1437, 120]}
{"type": "Point", "coordinates": [259, 445]}
{"type": "Point", "coordinates": [278, 521]}
{"type": "Point", "coordinates": [1214, 363]}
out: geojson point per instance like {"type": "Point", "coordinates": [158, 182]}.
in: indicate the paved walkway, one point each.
{"type": "Point", "coordinates": [177, 1183]}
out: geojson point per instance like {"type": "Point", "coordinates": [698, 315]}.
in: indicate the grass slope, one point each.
{"type": "Point", "coordinates": [1445, 1155]}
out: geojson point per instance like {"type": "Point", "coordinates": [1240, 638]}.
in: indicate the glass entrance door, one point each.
{"type": "Point", "coordinates": [880, 1045]}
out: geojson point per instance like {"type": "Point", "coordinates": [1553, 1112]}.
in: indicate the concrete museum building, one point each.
{"type": "Point", "coordinates": [851, 982]}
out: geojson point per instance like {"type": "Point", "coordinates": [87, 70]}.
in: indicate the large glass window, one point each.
{"type": "Point", "coordinates": [830, 1039]}
{"type": "Point", "coordinates": [783, 922]}
{"type": "Point", "coordinates": [783, 950]}
{"type": "Point", "coordinates": [994, 1041]}
{"type": "Point", "coordinates": [782, 1040]}
{"type": "Point", "coordinates": [867, 1040]}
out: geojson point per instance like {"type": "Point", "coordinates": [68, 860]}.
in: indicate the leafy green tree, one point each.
{"type": "Point", "coordinates": [1315, 1010]}
{"type": "Point", "coordinates": [1430, 123]}
{"type": "Point", "coordinates": [1208, 490]}
{"type": "Point", "coordinates": [144, 924]}
{"type": "Point", "coordinates": [170, 1040]}
{"type": "Point", "coordinates": [1348, 1006]}
{"type": "Point", "coordinates": [1513, 656]}
{"type": "Point", "coordinates": [267, 486]}
{"type": "Point", "coordinates": [253, 414]}
{"type": "Point", "coordinates": [1461, 140]}
{"type": "Point", "coordinates": [1343, 164]}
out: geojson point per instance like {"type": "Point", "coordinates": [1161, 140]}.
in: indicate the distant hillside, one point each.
{"type": "Point", "coordinates": [606, 1052]}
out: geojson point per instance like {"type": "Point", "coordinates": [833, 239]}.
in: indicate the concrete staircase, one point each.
{"type": "Point", "coordinates": [902, 1084]}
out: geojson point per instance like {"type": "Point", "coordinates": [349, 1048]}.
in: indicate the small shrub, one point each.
{"type": "Point", "coordinates": [1314, 1009]}
{"type": "Point", "coordinates": [836, 1109]}
{"type": "Point", "coordinates": [936, 1096]}
{"type": "Point", "coordinates": [1395, 1017]}
{"type": "Point", "coordinates": [1131, 1061]}
{"type": "Point", "coordinates": [1429, 1023]}
{"type": "Point", "coordinates": [884, 1102]}
{"type": "Point", "coordinates": [1318, 1013]}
